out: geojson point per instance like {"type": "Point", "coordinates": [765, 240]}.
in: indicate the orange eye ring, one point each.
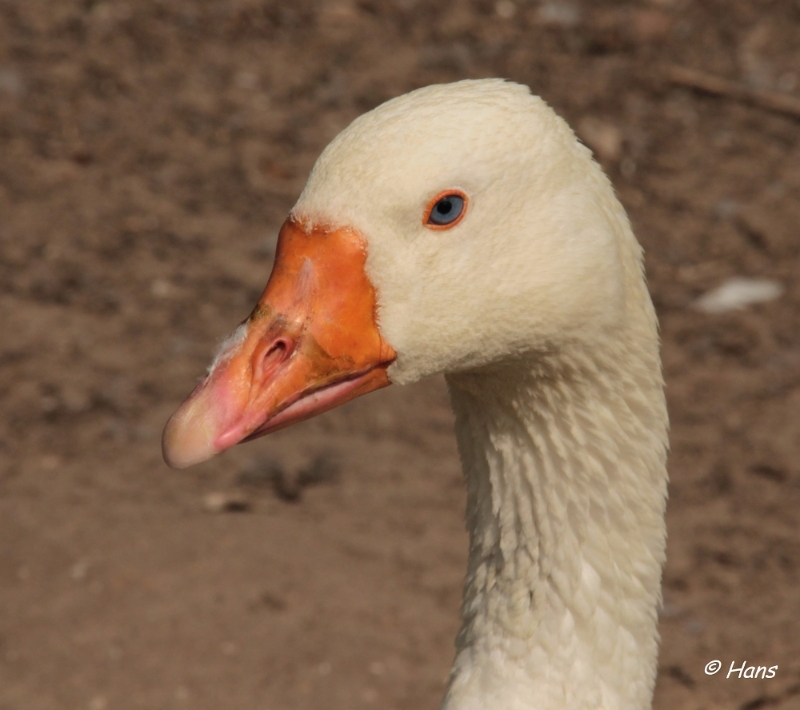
{"type": "Point", "coordinates": [462, 198]}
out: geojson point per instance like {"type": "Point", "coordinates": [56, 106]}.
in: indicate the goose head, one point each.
{"type": "Point", "coordinates": [451, 228]}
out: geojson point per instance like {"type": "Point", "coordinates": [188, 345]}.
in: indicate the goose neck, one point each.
{"type": "Point", "coordinates": [564, 460]}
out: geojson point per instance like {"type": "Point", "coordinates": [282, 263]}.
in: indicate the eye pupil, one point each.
{"type": "Point", "coordinates": [447, 210]}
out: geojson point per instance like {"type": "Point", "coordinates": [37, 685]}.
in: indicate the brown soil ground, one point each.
{"type": "Point", "coordinates": [149, 150]}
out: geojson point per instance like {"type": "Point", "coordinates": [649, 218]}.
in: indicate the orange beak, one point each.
{"type": "Point", "coordinates": [310, 344]}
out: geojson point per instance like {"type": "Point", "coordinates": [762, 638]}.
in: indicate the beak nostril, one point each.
{"type": "Point", "coordinates": [272, 356]}
{"type": "Point", "coordinates": [278, 347]}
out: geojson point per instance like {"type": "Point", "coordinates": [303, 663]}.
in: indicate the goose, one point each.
{"type": "Point", "coordinates": [463, 229]}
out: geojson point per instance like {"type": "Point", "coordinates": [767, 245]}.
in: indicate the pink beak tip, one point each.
{"type": "Point", "coordinates": [185, 441]}
{"type": "Point", "coordinates": [192, 432]}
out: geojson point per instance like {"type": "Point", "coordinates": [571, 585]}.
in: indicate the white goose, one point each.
{"type": "Point", "coordinates": [463, 229]}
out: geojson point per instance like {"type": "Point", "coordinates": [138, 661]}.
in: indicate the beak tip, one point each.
{"type": "Point", "coordinates": [184, 444]}
{"type": "Point", "coordinates": [171, 458]}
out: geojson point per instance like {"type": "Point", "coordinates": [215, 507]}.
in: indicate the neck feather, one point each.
{"type": "Point", "coordinates": [564, 457]}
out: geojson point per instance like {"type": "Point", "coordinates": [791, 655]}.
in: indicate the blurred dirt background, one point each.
{"type": "Point", "coordinates": [149, 151]}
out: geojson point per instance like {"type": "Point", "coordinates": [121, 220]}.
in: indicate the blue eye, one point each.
{"type": "Point", "coordinates": [447, 210]}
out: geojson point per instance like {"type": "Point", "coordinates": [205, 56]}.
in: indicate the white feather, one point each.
{"type": "Point", "coordinates": [737, 293]}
